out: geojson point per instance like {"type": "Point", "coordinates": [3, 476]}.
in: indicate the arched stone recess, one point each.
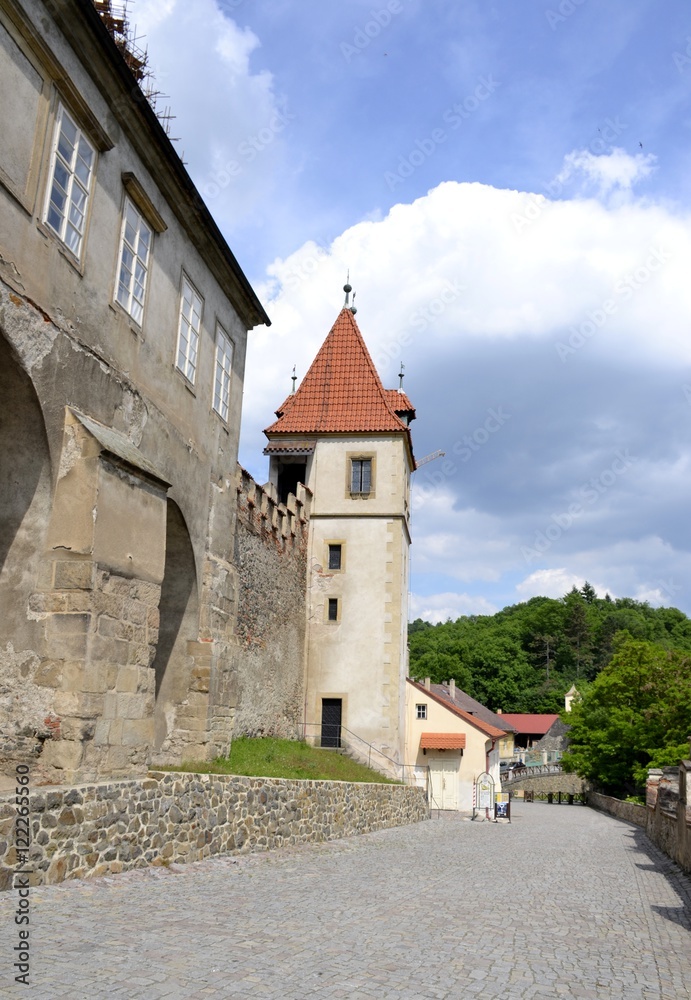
{"type": "Point", "coordinates": [182, 665]}
{"type": "Point", "coordinates": [26, 695]}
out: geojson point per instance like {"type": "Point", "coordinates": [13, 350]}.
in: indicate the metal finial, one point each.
{"type": "Point", "coordinates": [401, 376]}
{"type": "Point", "coordinates": [353, 308]}
{"type": "Point", "coordinates": [295, 378]}
{"type": "Point", "coordinates": [347, 288]}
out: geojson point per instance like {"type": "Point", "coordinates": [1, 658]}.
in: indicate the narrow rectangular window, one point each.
{"type": "Point", "coordinates": [189, 329]}
{"type": "Point", "coordinates": [135, 244]}
{"type": "Point", "coordinates": [361, 475]}
{"type": "Point", "coordinates": [71, 175]}
{"type": "Point", "coordinates": [333, 609]}
{"type": "Point", "coordinates": [421, 711]}
{"type": "Point", "coordinates": [224, 365]}
{"type": "Point", "coordinates": [334, 556]}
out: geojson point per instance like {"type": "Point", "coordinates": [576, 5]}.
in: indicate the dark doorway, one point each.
{"type": "Point", "coordinates": [25, 497]}
{"type": "Point", "coordinates": [179, 623]}
{"type": "Point", "coordinates": [332, 709]}
{"type": "Point", "coordinates": [289, 475]}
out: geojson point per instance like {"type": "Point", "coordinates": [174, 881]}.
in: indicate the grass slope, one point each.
{"type": "Point", "coordinates": [273, 758]}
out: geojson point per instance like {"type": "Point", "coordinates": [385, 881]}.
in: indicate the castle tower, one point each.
{"type": "Point", "coordinates": [348, 440]}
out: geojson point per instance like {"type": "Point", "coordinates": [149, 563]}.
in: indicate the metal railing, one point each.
{"type": "Point", "coordinates": [529, 771]}
{"type": "Point", "coordinates": [335, 737]}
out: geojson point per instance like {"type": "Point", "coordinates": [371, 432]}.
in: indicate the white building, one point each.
{"type": "Point", "coordinates": [347, 439]}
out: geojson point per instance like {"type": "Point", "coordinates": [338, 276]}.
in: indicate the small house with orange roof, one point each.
{"type": "Point", "coordinates": [347, 439]}
{"type": "Point", "coordinates": [457, 745]}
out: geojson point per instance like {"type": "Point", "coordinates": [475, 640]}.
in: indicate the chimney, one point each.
{"type": "Point", "coordinates": [428, 684]}
{"type": "Point", "coordinates": [498, 712]}
{"type": "Point", "coordinates": [452, 689]}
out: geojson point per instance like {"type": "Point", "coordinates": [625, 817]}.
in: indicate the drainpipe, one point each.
{"type": "Point", "coordinates": [487, 756]}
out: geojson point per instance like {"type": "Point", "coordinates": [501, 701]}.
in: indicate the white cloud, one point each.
{"type": "Point", "coordinates": [451, 278]}
{"type": "Point", "coordinates": [553, 583]}
{"type": "Point", "coordinates": [230, 125]}
{"type": "Point", "coordinates": [441, 607]}
{"type": "Point", "coordinates": [607, 171]}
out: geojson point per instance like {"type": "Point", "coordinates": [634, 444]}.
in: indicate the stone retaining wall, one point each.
{"type": "Point", "coordinates": [669, 811]}
{"type": "Point", "coordinates": [569, 784]}
{"type": "Point", "coordinates": [629, 811]}
{"type": "Point", "coordinates": [89, 830]}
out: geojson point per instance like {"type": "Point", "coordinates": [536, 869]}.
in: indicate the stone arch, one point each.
{"type": "Point", "coordinates": [25, 497]}
{"type": "Point", "coordinates": [174, 662]}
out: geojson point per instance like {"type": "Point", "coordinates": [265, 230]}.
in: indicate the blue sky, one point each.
{"type": "Point", "coordinates": [510, 187]}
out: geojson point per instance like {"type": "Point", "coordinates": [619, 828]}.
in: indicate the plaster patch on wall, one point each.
{"type": "Point", "coordinates": [32, 332]}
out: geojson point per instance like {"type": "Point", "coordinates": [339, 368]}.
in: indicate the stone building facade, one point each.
{"type": "Point", "coordinates": [123, 327]}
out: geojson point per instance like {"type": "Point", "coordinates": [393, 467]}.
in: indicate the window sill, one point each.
{"type": "Point", "coordinates": [61, 247]}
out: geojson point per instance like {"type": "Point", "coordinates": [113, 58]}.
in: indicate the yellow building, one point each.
{"type": "Point", "coordinates": [456, 745]}
{"type": "Point", "coordinates": [347, 439]}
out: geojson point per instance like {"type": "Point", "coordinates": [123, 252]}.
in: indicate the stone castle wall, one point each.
{"type": "Point", "coordinates": [631, 812]}
{"type": "Point", "coordinates": [271, 558]}
{"type": "Point", "coordinates": [668, 795]}
{"type": "Point", "coordinates": [91, 830]}
{"type": "Point", "coordinates": [569, 784]}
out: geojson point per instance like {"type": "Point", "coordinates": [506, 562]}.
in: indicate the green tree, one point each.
{"type": "Point", "coordinates": [636, 713]}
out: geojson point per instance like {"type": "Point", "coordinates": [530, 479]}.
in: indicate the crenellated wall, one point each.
{"type": "Point", "coordinates": [271, 559]}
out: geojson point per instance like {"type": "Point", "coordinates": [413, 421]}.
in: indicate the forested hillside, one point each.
{"type": "Point", "coordinates": [524, 658]}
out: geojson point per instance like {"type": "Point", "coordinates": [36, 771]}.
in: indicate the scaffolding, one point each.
{"type": "Point", "coordinates": [115, 17]}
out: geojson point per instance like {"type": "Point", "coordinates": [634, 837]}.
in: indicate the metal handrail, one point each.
{"type": "Point", "coordinates": [529, 770]}
{"type": "Point", "coordinates": [407, 771]}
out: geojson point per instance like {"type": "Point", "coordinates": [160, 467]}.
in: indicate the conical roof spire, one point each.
{"type": "Point", "coordinates": [341, 392]}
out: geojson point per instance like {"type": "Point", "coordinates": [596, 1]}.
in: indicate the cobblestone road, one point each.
{"type": "Point", "coordinates": [565, 902]}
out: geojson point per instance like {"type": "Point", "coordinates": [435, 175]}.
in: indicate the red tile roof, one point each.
{"type": "Point", "coordinates": [399, 402]}
{"type": "Point", "coordinates": [530, 723]}
{"type": "Point", "coordinates": [480, 724]}
{"type": "Point", "coordinates": [341, 392]}
{"type": "Point", "coordinates": [442, 741]}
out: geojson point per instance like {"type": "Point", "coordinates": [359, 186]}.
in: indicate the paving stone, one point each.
{"type": "Point", "coordinates": [563, 902]}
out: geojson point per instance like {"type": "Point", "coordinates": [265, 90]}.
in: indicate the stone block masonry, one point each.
{"type": "Point", "coordinates": [668, 801]}
{"type": "Point", "coordinates": [271, 556]}
{"type": "Point", "coordinates": [90, 830]}
{"type": "Point", "coordinates": [628, 811]}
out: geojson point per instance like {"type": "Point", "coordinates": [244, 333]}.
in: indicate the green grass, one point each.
{"type": "Point", "coordinates": [273, 758]}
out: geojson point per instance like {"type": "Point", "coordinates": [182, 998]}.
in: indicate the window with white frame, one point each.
{"type": "Point", "coordinates": [224, 365]}
{"type": "Point", "coordinates": [71, 176]}
{"type": "Point", "coordinates": [135, 246]}
{"type": "Point", "coordinates": [421, 711]}
{"type": "Point", "coordinates": [189, 328]}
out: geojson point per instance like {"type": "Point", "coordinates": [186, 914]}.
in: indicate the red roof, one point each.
{"type": "Point", "coordinates": [341, 392]}
{"type": "Point", "coordinates": [480, 724]}
{"type": "Point", "coordinates": [530, 724]}
{"type": "Point", "coordinates": [442, 741]}
{"type": "Point", "coordinates": [398, 401]}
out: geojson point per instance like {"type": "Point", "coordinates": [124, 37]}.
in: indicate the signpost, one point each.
{"type": "Point", "coordinates": [483, 796]}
